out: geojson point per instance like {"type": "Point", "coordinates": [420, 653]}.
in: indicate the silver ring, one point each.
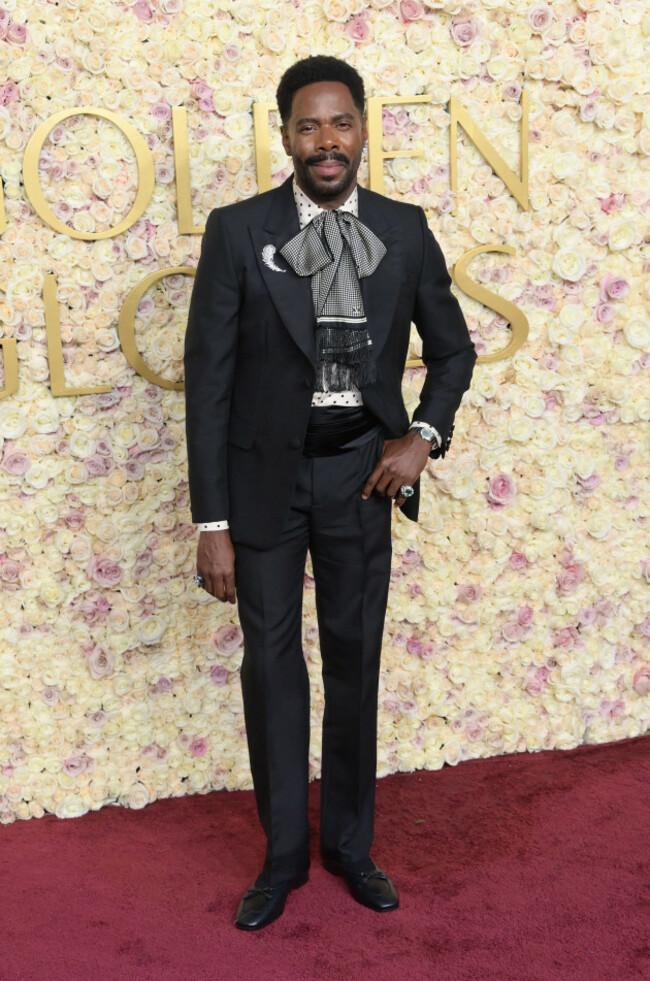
{"type": "Point", "coordinates": [406, 490]}
{"type": "Point", "coordinates": [198, 580]}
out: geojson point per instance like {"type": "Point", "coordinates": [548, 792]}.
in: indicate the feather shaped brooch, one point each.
{"type": "Point", "coordinates": [268, 258]}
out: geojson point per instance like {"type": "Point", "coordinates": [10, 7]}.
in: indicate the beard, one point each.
{"type": "Point", "coordinates": [323, 189]}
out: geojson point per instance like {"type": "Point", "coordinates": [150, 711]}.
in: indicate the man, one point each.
{"type": "Point", "coordinates": [298, 439]}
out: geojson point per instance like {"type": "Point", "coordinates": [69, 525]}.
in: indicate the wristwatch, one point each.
{"type": "Point", "coordinates": [427, 432]}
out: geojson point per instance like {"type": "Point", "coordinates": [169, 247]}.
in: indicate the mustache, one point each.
{"type": "Point", "coordinates": [324, 157]}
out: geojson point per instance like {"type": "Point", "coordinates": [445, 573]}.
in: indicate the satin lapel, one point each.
{"type": "Point", "coordinates": [380, 291]}
{"type": "Point", "coordinates": [291, 294]}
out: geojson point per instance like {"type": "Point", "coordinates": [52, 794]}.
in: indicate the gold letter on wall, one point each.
{"type": "Point", "coordinates": [144, 160]}
{"type": "Point", "coordinates": [3, 216]}
{"type": "Point", "coordinates": [518, 320]}
{"type": "Point", "coordinates": [517, 187]}
{"type": "Point", "coordinates": [261, 112]}
{"type": "Point", "coordinates": [10, 366]}
{"type": "Point", "coordinates": [376, 152]}
{"type": "Point", "coordinates": [183, 177]}
{"type": "Point", "coordinates": [126, 326]}
{"type": "Point", "coordinates": [55, 347]}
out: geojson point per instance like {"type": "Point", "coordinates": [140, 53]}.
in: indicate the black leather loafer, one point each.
{"type": "Point", "coordinates": [262, 905]}
{"type": "Point", "coordinates": [373, 889]}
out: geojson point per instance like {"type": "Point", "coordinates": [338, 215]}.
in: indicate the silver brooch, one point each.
{"type": "Point", "coordinates": [268, 258]}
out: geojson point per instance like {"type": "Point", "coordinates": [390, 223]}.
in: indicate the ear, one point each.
{"type": "Point", "coordinates": [364, 130]}
{"type": "Point", "coordinates": [286, 142]}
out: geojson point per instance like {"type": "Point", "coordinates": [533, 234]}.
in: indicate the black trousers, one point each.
{"type": "Point", "coordinates": [350, 544]}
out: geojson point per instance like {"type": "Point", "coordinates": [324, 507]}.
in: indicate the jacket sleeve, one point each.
{"type": "Point", "coordinates": [447, 351]}
{"type": "Point", "coordinates": [210, 357]}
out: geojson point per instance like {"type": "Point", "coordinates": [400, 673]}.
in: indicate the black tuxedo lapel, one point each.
{"type": "Point", "coordinates": [291, 294]}
{"type": "Point", "coordinates": [380, 290]}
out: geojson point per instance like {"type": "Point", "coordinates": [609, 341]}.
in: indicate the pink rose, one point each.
{"type": "Point", "coordinates": [199, 747]}
{"type": "Point", "coordinates": [161, 111]}
{"type": "Point", "coordinates": [613, 287]}
{"type": "Point", "coordinates": [518, 560]}
{"type": "Point", "coordinates": [569, 579]}
{"type": "Point", "coordinates": [9, 570]}
{"type": "Point", "coordinates": [101, 663]}
{"type": "Point", "coordinates": [511, 91]}
{"type": "Point", "coordinates": [9, 92]}
{"type": "Point", "coordinates": [473, 731]}
{"type": "Point", "coordinates": [465, 30]}
{"type": "Point", "coordinates": [103, 571]}
{"type": "Point", "coordinates": [525, 615]}
{"type": "Point", "coordinates": [612, 709]}
{"type": "Point", "coordinates": [219, 675]}
{"type": "Point", "coordinates": [446, 202]}
{"type": "Point", "coordinates": [469, 592]}
{"type": "Point", "coordinates": [228, 639]}
{"type": "Point", "coordinates": [604, 313]}
{"type": "Point", "coordinates": [16, 462]}
{"type": "Point", "coordinates": [164, 684]}
{"type": "Point", "coordinates": [589, 483]}
{"type": "Point", "coordinates": [413, 646]}
{"type": "Point", "coordinates": [358, 29]}
{"type": "Point", "coordinates": [614, 202]}
{"type": "Point", "coordinates": [410, 10]}
{"type": "Point", "coordinates": [567, 638]}
{"type": "Point", "coordinates": [16, 33]}
{"type": "Point", "coordinates": [74, 765]}
{"type": "Point", "coordinates": [98, 719]}
{"type": "Point", "coordinates": [539, 17]}
{"type": "Point", "coordinates": [641, 681]}
{"type": "Point", "coordinates": [142, 11]}
{"type": "Point", "coordinates": [512, 632]}
{"type": "Point", "coordinates": [588, 110]}
{"type": "Point", "coordinates": [502, 489]}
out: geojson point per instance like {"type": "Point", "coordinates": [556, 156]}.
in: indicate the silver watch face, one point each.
{"type": "Point", "coordinates": [427, 432]}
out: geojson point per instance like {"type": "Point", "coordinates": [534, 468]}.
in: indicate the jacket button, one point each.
{"type": "Point", "coordinates": [295, 443]}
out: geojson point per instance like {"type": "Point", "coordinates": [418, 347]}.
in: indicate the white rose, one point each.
{"type": "Point", "coordinates": [71, 807]}
{"type": "Point", "coordinates": [569, 265]}
{"type": "Point", "coordinates": [622, 235]}
{"type": "Point", "coordinates": [637, 334]}
{"type": "Point", "coordinates": [599, 526]}
{"type": "Point", "coordinates": [13, 421]}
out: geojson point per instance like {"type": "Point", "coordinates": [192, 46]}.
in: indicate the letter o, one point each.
{"type": "Point", "coordinates": [143, 157]}
{"type": "Point", "coordinates": [126, 326]}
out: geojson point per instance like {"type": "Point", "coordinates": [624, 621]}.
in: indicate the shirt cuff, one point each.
{"type": "Point", "coordinates": [426, 425]}
{"type": "Point", "coordinates": [213, 526]}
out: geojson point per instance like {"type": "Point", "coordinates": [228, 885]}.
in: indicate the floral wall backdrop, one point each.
{"type": "Point", "coordinates": [519, 616]}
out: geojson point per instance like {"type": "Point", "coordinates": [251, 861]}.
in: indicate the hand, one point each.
{"type": "Point", "coordinates": [401, 462]}
{"type": "Point", "coordinates": [215, 561]}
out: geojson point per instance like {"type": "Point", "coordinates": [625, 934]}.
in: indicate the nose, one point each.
{"type": "Point", "coordinates": [328, 139]}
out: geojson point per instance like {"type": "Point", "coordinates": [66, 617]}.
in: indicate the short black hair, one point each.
{"type": "Point", "coordinates": [318, 68]}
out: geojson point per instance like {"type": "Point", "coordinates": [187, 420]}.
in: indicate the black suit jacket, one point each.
{"type": "Point", "coordinates": [250, 354]}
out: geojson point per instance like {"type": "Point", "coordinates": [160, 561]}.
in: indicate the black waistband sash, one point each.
{"type": "Point", "coordinates": [332, 427]}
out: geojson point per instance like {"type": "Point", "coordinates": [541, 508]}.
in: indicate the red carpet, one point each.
{"type": "Point", "coordinates": [517, 868]}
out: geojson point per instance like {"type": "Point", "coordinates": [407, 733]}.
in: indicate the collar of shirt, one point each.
{"type": "Point", "coordinates": [308, 209]}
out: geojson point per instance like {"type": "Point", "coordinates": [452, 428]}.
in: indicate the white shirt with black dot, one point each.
{"type": "Point", "coordinates": [307, 211]}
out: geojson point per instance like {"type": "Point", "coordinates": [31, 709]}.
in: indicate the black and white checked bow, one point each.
{"type": "Point", "coordinates": [337, 250]}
